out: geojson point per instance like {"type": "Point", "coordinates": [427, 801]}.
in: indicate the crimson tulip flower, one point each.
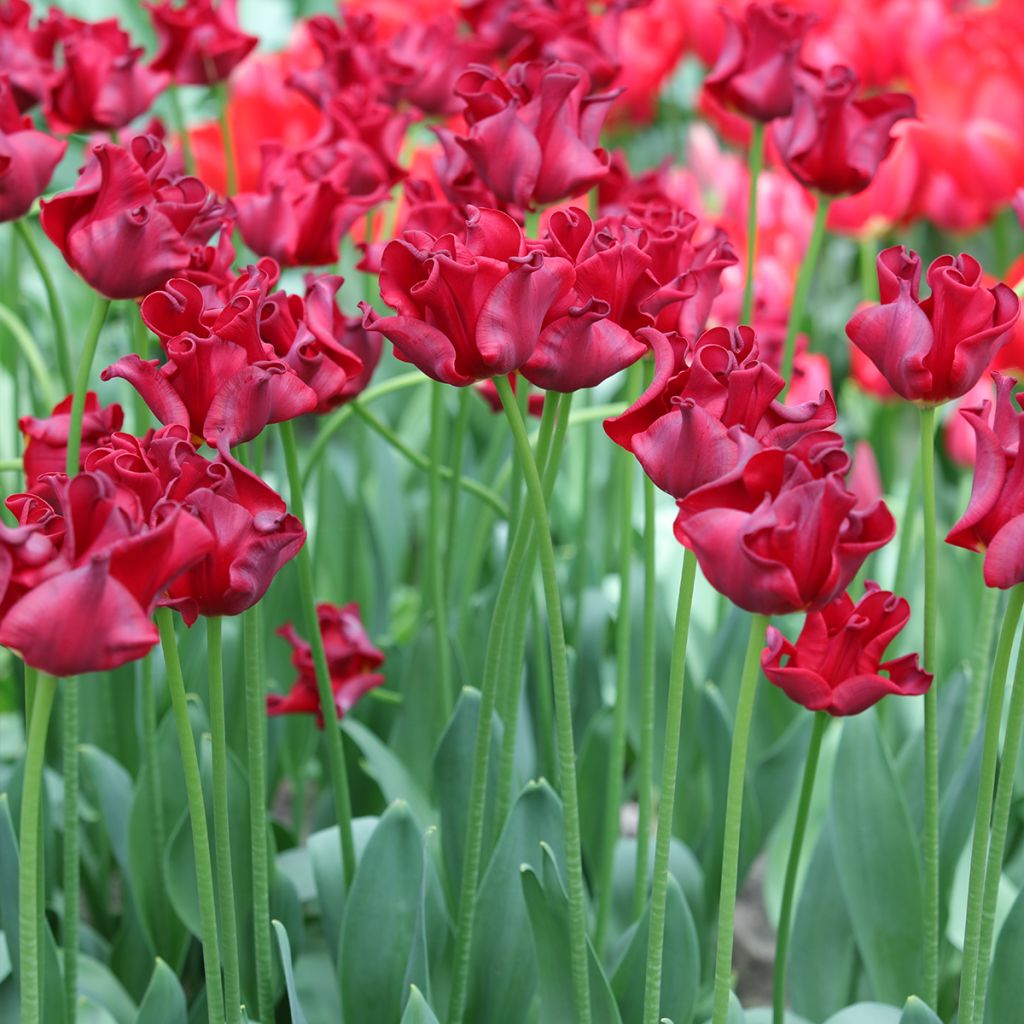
{"type": "Point", "coordinates": [128, 226]}
{"type": "Point", "coordinates": [683, 428]}
{"type": "Point", "coordinates": [28, 71]}
{"type": "Point", "coordinates": [836, 663]}
{"type": "Point", "coordinates": [754, 70]}
{"type": "Point", "coordinates": [934, 349]}
{"type": "Point", "coordinates": [351, 660]}
{"type": "Point", "coordinates": [468, 308]}
{"type": "Point", "coordinates": [84, 571]}
{"type": "Point", "coordinates": [993, 522]}
{"type": "Point", "coordinates": [833, 141]}
{"type": "Point", "coordinates": [533, 131]}
{"type": "Point", "coordinates": [47, 439]}
{"type": "Point", "coordinates": [780, 532]}
{"type": "Point", "coordinates": [27, 157]}
{"type": "Point", "coordinates": [98, 82]}
{"type": "Point", "coordinates": [199, 44]}
{"type": "Point", "coordinates": [252, 533]}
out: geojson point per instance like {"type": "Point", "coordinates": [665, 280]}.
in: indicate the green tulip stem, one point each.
{"type": "Point", "coordinates": [981, 658]}
{"type": "Point", "coordinates": [197, 817]}
{"type": "Point", "coordinates": [976, 883]}
{"type": "Point", "coordinates": [307, 595]}
{"type": "Point", "coordinates": [256, 747]}
{"type": "Point", "coordinates": [669, 780]}
{"type": "Point", "coordinates": [221, 821]}
{"type": "Point", "coordinates": [181, 125]}
{"type": "Point", "coordinates": [458, 453]}
{"type": "Point", "coordinates": [30, 867]}
{"type": "Point", "coordinates": [756, 163]}
{"type": "Point", "coordinates": [821, 720]}
{"type": "Point", "coordinates": [30, 351]}
{"type": "Point", "coordinates": [438, 599]}
{"type": "Point", "coordinates": [733, 817]}
{"type": "Point", "coordinates": [92, 337]}
{"type": "Point", "coordinates": [802, 291]}
{"type": "Point", "coordinates": [930, 929]}
{"type": "Point", "coordinates": [230, 167]}
{"type": "Point", "coordinates": [563, 704]}
{"type": "Point", "coordinates": [154, 784]}
{"type": "Point", "coordinates": [60, 330]}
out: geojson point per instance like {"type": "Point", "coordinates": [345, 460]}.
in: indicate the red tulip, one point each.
{"type": "Point", "coordinates": [754, 70]}
{"type": "Point", "coordinates": [47, 439]}
{"type": "Point", "coordinates": [533, 132]}
{"type": "Point", "coordinates": [780, 533]}
{"type": "Point", "coordinates": [470, 308]}
{"type": "Point", "coordinates": [127, 227]}
{"type": "Point", "coordinates": [27, 157]}
{"type": "Point", "coordinates": [832, 141]}
{"type": "Point", "coordinates": [488, 391]}
{"type": "Point", "coordinates": [351, 659]}
{"type": "Point", "coordinates": [199, 44]}
{"type": "Point", "coordinates": [98, 83]}
{"type": "Point", "coordinates": [931, 350]}
{"type": "Point", "coordinates": [993, 522]}
{"type": "Point", "coordinates": [683, 428]}
{"type": "Point", "coordinates": [836, 663]}
{"type": "Point", "coordinates": [253, 534]}
{"type": "Point", "coordinates": [81, 578]}
{"type": "Point", "coordinates": [29, 71]}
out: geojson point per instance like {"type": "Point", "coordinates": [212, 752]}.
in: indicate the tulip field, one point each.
{"type": "Point", "coordinates": [512, 512]}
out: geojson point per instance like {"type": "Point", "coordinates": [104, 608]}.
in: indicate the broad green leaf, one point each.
{"type": "Point", "coordinates": [681, 979]}
{"type": "Point", "coordinates": [164, 1001]}
{"type": "Point", "coordinates": [98, 984]}
{"type": "Point", "coordinates": [763, 1015]}
{"type": "Point", "coordinates": [916, 1012]}
{"type": "Point", "coordinates": [285, 953]}
{"type": "Point", "coordinates": [1006, 980]}
{"type": "Point", "coordinates": [595, 750]}
{"type": "Point", "coordinates": [417, 1011]}
{"type": "Point", "coordinates": [503, 973]}
{"type": "Point", "coordinates": [548, 907]}
{"type": "Point", "coordinates": [112, 786]}
{"type": "Point", "coordinates": [453, 778]}
{"type": "Point", "coordinates": [878, 861]}
{"type": "Point", "coordinates": [385, 891]}
{"type": "Point", "coordinates": [88, 1012]}
{"type": "Point", "coordinates": [866, 1013]}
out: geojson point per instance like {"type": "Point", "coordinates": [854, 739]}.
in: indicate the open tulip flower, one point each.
{"type": "Point", "coordinates": [199, 44]}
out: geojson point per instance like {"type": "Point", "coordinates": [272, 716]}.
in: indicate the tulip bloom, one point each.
{"type": "Point", "coordinates": [27, 70]}
{"type": "Point", "coordinates": [128, 226]}
{"type": "Point", "coordinates": [47, 439]}
{"type": "Point", "coordinates": [27, 157]}
{"type": "Point", "coordinates": [351, 659]}
{"type": "Point", "coordinates": [98, 82]}
{"type": "Point", "coordinates": [470, 308]}
{"type": "Point", "coordinates": [84, 572]}
{"type": "Point", "coordinates": [934, 349]}
{"type": "Point", "coordinates": [836, 663]}
{"type": "Point", "coordinates": [993, 522]}
{"type": "Point", "coordinates": [682, 429]}
{"type": "Point", "coordinates": [832, 141]}
{"type": "Point", "coordinates": [754, 70]}
{"type": "Point", "coordinates": [780, 532]}
{"type": "Point", "coordinates": [533, 131]}
{"type": "Point", "coordinates": [199, 44]}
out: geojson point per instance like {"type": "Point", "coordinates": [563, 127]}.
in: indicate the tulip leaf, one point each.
{"type": "Point", "coordinates": [916, 1012]}
{"type": "Point", "coordinates": [763, 1015]}
{"type": "Point", "coordinates": [503, 975]}
{"type": "Point", "coordinates": [417, 1011]}
{"type": "Point", "coordinates": [1006, 980]}
{"type": "Point", "coordinates": [452, 779]}
{"type": "Point", "coordinates": [284, 950]}
{"type": "Point", "coordinates": [681, 984]}
{"type": "Point", "coordinates": [98, 984]}
{"type": "Point", "coordinates": [548, 907]}
{"type": "Point", "coordinates": [113, 788]}
{"type": "Point", "coordinates": [88, 1012]}
{"type": "Point", "coordinates": [387, 891]}
{"type": "Point", "coordinates": [866, 1013]}
{"type": "Point", "coordinates": [164, 1000]}
{"type": "Point", "coordinates": [878, 861]}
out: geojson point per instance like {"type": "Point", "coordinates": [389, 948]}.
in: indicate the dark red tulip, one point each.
{"type": "Point", "coordinates": [127, 227]}
{"type": "Point", "coordinates": [253, 534]}
{"type": "Point", "coordinates": [934, 349]}
{"type": "Point", "coordinates": [82, 577]}
{"type": "Point", "coordinates": [351, 660]}
{"type": "Point", "coordinates": [98, 83]}
{"type": "Point", "coordinates": [29, 71]}
{"type": "Point", "coordinates": [780, 532]}
{"type": "Point", "coordinates": [27, 157]}
{"type": "Point", "coordinates": [459, 181]}
{"type": "Point", "coordinates": [199, 44]}
{"type": "Point", "coordinates": [754, 71]}
{"type": "Point", "coordinates": [833, 141]}
{"type": "Point", "coordinates": [47, 439]}
{"type": "Point", "coordinates": [993, 522]}
{"type": "Point", "coordinates": [468, 308]}
{"type": "Point", "coordinates": [533, 131]}
{"type": "Point", "coordinates": [836, 663]}
{"type": "Point", "coordinates": [682, 429]}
